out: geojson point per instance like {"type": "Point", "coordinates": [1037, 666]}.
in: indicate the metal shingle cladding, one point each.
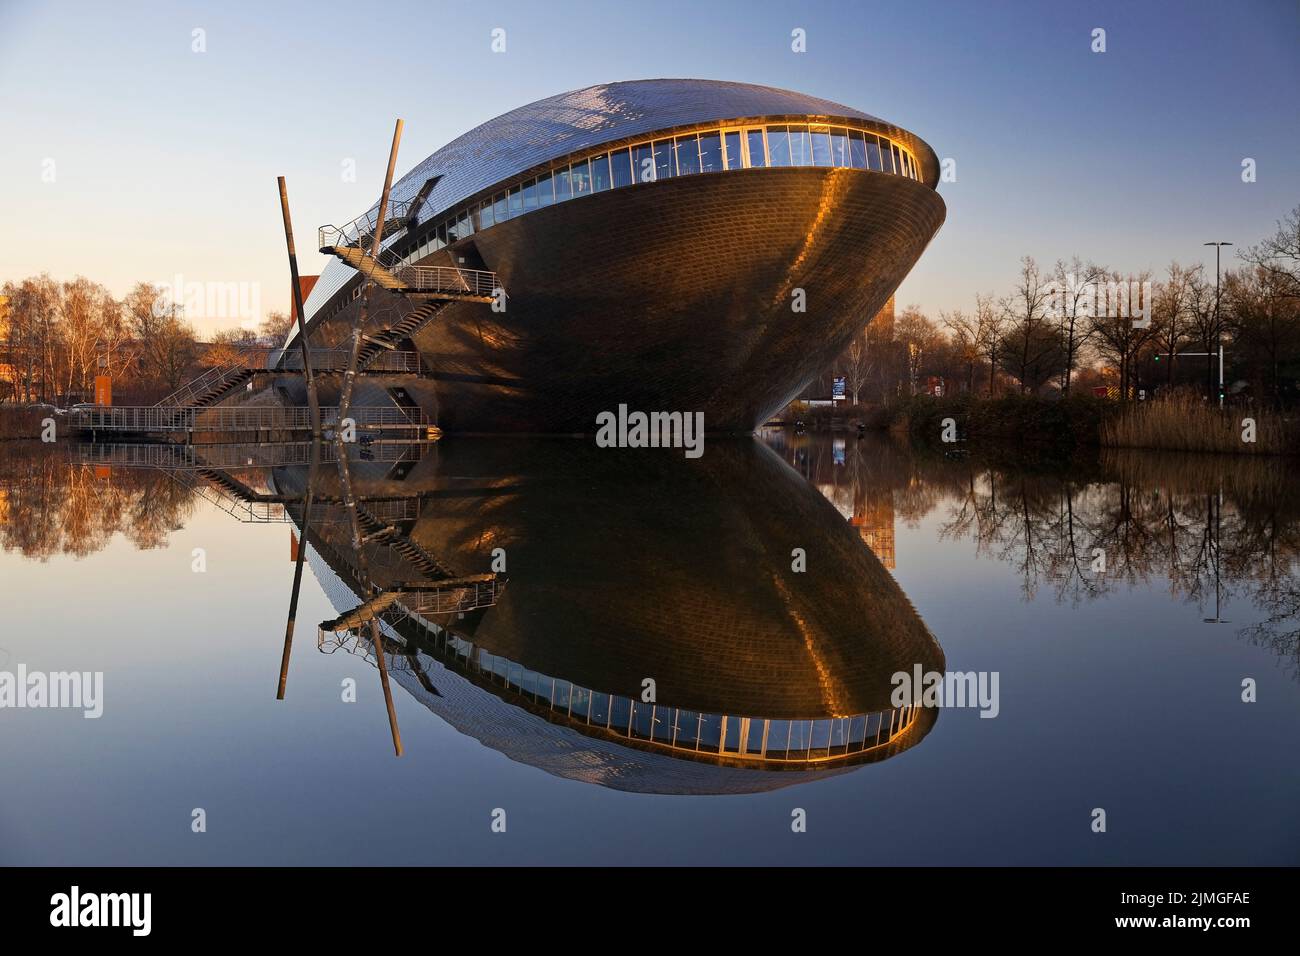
{"type": "Point", "coordinates": [559, 125]}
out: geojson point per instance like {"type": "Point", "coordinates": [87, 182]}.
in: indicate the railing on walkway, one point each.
{"type": "Point", "coordinates": [360, 232]}
{"type": "Point", "coordinates": [426, 598]}
{"type": "Point", "coordinates": [448, 279]}
{"type": "Point", "coordinates": [353, 242]}
{"type": "Point", "coordinates": [224, 457]}
{"type": "Point", "coordinates": [204, 384]}
{"type": "Point", "coordinates": [255, 511]}
{"type": "Point", "coordinates": [237, 418]}
{"type": "Point", "coordinates": [336, 360]}
{"type": "Point", "coordinates": [279, 359]}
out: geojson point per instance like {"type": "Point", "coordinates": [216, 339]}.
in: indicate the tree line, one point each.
{"type": "Point", "coordinates": [55, 337]}
{"type": "Point", "coordinates": [1061, 329]}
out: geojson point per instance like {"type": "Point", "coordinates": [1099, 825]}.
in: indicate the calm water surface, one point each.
{"type": "Point", "coordinates": [523, 691]}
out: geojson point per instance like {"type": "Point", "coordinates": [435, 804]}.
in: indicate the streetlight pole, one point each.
{"type": "Point", "coordinates": [1218, 327]}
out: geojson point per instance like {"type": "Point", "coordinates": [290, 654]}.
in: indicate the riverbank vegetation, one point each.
{"type": "Point", "coordinates": [20, 422]}
{"type": "Point", "coordinates": [55, 337]}
{"type": "Point", "coordinates": [1083, 353]}
{"type": "Point", "coordinates": [1185, 423]}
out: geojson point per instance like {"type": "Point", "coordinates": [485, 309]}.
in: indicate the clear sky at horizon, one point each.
{"type": "Point", "coordinates": [165, 159]}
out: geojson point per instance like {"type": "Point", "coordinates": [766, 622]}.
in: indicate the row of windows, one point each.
{"type": "Point", "coordinates": [679, 728]}
{"type": "Point", "coordinates": [707, 152]}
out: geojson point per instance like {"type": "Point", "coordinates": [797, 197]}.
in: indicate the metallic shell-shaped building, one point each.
{"type": "Point", "coordinates": [677, 245]}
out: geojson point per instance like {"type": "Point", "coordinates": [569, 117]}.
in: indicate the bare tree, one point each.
{"type": "Point", "coordinates": [228, 345]}
{"type": "Point", "coordinates": [1266, 326]}
{"type": "Point", "coordinates": [1031, 348]}
{"type": "Point", "coordinates": [1076, 284]}
{"type": "Point", "coordinates": [87, 312]}
{"type": "Point", "coordinates": [1207, 322]}
{"type": "Point", "coordinates": [918, 336]}
{"type": "Point", "coordinates": [1117, 337]}
{"type": "Point", "coordinates": [1279, 256]}
{"type": "Point", "coordinates": [989, 323]}
{"type": "Point", "coordinates": [965, 333]}
{"type": "Point", "coordinates": [1170, 310]}
{"type": "Point", "coordinates": [34, 337]}
{"type": "Point", "coordinates": [275, 328]}
{"type": "Point", "coordinates": [166, 343]}
{"type": "Point", "coordinates": [859, 363]}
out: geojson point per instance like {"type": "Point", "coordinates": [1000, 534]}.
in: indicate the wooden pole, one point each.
{"type": "Point", "coordinates": [358, 327]}
{"type": "Point", "coordinates": [388, 691]}
{"type": "Point", "coordinates": [297, 571]}
{"type": "Point", "coordinates": [298, 313]}
{"type": "Point", "coordinates": [388, 185]}
{"type": "Point", "coordinates": [367, 586]}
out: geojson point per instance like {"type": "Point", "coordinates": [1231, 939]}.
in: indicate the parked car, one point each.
{"type": "Point", "coordinates": [45, 408]}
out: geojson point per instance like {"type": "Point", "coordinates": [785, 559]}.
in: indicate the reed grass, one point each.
{"type": "Point", "coordinates": [20, 423]}
{"type": "Point", "coordinates": [1190, 424]}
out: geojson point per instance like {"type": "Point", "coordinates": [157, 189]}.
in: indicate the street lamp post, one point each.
{"type": "Point", "coordinates": [1218, 327]}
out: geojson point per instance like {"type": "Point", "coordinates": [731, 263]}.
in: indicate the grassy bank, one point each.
{"type": "Point", "coordinates": [20, 423]}
{"type": "Point", "coordinates": [1072, 421]}
{"type": "Point", "coordinates": [1192, 425]}
{"type": "Point", "coordinates": [1179, 424]}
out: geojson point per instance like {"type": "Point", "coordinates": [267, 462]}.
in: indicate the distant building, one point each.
{"type": "Point", "coordinates": [822, 387]}
{"type": "Point", "coordinates": [873, 516]}
{"type": "Point", "coordinates": [305, 285]}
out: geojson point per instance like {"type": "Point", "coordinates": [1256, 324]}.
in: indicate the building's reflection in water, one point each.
{"type": "Point", "coordinates": [623, 567]}
{"type": "Point", "coordinates": [649, 632]}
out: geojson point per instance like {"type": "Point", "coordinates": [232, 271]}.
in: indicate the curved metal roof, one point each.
{"type": "Point", "coordinates": [548, 129]}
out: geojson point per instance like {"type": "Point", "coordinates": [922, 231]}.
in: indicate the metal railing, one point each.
{"type": "Point", "coordinates": [204, 384]}
{"type": "Point", "coordinates": [246, 357]}
{"type": "Point", "coordinates": [359, 235]}
{"type": "Point", "coordinates": [447, 600]}
{"type": "Point", "coordinates": [663, 728]}
{"type": "Point", "coordinates": [360, 232]}
{"type": "Point", "coordinates": [480, 282]}
{"type": "Point", "coordinates": [430, 599]}
{"type": "Point", "coordinates": [278, 512]}
{"type": "Point", "coordinates": [237, 455]}
{"type": "Point", "coordinates": [278, 359]}
{"type": "Point", "coordinates": [236, 418]}
{"type": "Point", "coordinates": [336, 360]}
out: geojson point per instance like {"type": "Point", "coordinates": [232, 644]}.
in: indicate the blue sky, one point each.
{"type": "Point", "coordinates": [165, 159]}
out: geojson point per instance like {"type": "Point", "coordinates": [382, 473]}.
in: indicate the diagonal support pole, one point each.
{"type": "Point", "coordinates": [297, 570]}
{"type": "Point", "coordinates": [363, 574]}
{"type": "Point", "coordinates": [358, 326]}
{"type": "Point", "coordinates": [312, 399]}
{"type": "Point", "coordinates": [388, 691]}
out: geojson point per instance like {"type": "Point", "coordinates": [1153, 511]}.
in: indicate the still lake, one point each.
{"type": "Point", "coordinates": [628, 657]}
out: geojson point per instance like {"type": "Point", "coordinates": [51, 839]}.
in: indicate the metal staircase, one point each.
{"type": "Point", "coordinates": [212, 385]}
{"type": "Point", "coordinates": [353, 243]}
{"type": "Point", "coordinates": [380, 343]}
{"type": "Point", "coordinates": [375, 530]}
{"type": "Point", "coordinates": [218, 382]}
